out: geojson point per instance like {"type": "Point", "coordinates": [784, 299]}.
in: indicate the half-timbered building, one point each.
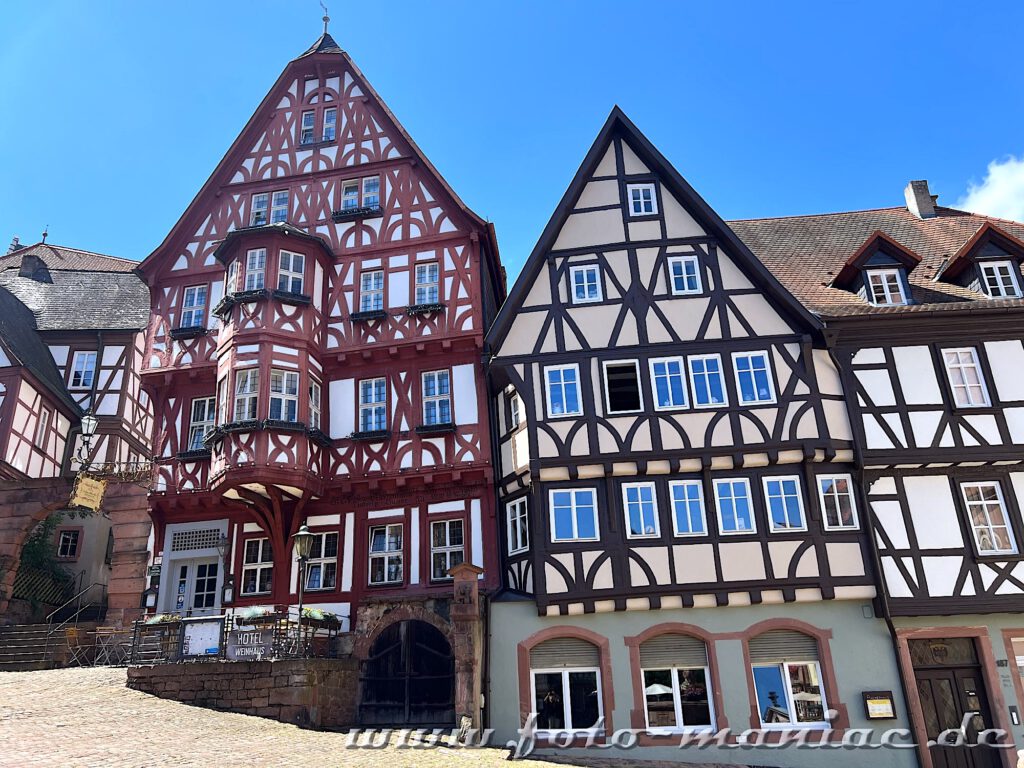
{"type": "Point", "coordinates": [315, 357]}
{"type": "Point", "coordinates": [682, 541]}
{"type": "Point", "coordinates": [71, 335]}
{"type": "Point", "coordinates": [923, 310]}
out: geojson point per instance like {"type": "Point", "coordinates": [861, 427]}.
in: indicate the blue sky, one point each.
{"type": "Point", "coordinates": [116, 112]}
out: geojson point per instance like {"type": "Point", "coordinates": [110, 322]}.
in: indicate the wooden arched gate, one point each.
{"type": "Point", "coordinates": [408, 678]}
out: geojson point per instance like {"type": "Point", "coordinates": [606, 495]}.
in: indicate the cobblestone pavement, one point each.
{"type": "Point", "coordinates": [87, 717]}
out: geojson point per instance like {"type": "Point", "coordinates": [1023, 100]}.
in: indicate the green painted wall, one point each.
{"type": "Point", "coordinates": [861, 649]}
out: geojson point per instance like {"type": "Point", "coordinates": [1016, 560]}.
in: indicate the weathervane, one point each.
{"type": "Point", "coordinates": [327, 19]}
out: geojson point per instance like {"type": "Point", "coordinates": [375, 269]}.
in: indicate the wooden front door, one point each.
{"type": "Point", "coordinates": [954, 702]}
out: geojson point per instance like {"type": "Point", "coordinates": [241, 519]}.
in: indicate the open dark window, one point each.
{"type": "Point", "coordinates": [988, 263]}
{"type": "Point", "coordinates": [622, 387]}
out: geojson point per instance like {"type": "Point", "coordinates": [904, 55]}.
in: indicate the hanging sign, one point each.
{"type": "Point", "coordinates": [88, 492]}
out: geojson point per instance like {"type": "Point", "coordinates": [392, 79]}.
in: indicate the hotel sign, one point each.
{"type": "Point", "coordinates": [250, 644]}
{"type": "Point", "coordinates": [88, 492]}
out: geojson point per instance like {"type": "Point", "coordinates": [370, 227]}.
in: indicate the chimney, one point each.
{"type": "Point", "coordinates": [920, 201]}
{"type": "Point", "coordinates": [14, 246]}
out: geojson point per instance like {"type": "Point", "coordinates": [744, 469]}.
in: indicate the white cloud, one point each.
{"type": "Point", "coordinates": [1001, 194]}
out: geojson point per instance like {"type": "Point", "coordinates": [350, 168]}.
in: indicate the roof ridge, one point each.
{"type": "Point", "coordinates": [816, 215]}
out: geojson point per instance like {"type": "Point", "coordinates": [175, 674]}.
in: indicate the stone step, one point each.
{"type": "Point", "coordinates": [26, 666]}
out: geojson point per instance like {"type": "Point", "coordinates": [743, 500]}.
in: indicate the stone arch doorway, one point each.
{"type": "Point", "coordinates": [408, 677]}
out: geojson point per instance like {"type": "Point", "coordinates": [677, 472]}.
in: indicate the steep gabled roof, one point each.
{"type": "Point", "coordinates": [20, 338]}
{"type": "Point", "coordinates": [806, 253]}
{"type": "Point", "coordinates": [325, 49]}
{"type": "Point", "coordinates": [618, 124]}
{"type": "Point", "coordinates": [63, 257]}
{"type": "Point", "coordinates": [988, 232]}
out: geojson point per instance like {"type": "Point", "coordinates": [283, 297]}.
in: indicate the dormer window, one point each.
{"type": "Point", "coordinates": [642, 199]}
{"type": "Point", "coordinates": [885, 287]}
{"type": "Point", "coordinates": [999, 279]}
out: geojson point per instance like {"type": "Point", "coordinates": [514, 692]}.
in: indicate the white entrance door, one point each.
{"type": "Point", "coordinates": [195, 586]}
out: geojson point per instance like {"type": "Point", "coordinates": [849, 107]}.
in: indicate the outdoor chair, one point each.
{"type": "Point", "coordinates": [78, 649]}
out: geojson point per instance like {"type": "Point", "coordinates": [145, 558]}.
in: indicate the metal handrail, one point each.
{"type": "Point", "coordinates": [69, 601]}
{"type": "Point", "coordinates": [52, 630]}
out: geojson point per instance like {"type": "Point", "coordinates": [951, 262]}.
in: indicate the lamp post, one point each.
{"type": "Point", "coordinates": [227, 587]}
{"type": "Point", "coordinates": [303, 541]}
{"type": "Point", "coordinates": [89, 426]}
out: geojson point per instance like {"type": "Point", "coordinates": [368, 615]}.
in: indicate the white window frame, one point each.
{"type": "Point", "coordinates": [79, 371]}
{"type": "Point", "coordinates": [790, 704]}
{"type": "Point", "coordinates": [682, 261]}
{"type": "Point", "coordinates": [975, 363]}
{"type": "Point", "coordinates": [585, 269]}
{"type": "Point", "coordinates": [693, 381]}
{"type": "Point", "coordinates": [372, 296]}
{"type": "Point", "coordinates": [231, 278]}
{"type": "Point", "coordinates": [315, 402]}
{"type": "Point", "coordinates": [372, 406]}
{"type": "Point", "coordinates": [74, 536]}
{"type": "Point", "coordinates": [428, 283]}
{"type": "Point", "coordinates": [43, 428]}
{"type": "Point", "coordinates": [350, 194]}
{"type": "Point", "coordinates": [561, 383]}
{"type": "Point", "coordinates": [223, 401]}
{"type": "Point", "coordinates": [677, 701]}
{"type": "Point", "coordinates": [515, 405]}
{"type": "Point", "coordinates": [366, 195]}
{"type": "Point", "coordinates": [307, 127]}
{"type": "Point", "coordinates": [887, 295]}
{"type": "Point", "coordinates": [289, 274]}
{"type": "Point", "coordinates": [204, 425]}
{"type": "Point", "coordinates": [716, 483]}
{"type": "Point", "coordinates": [282, 391]}
{"type": "Point", "coordinates": [330, 123]}
{"type": "Point", "coordinates": [819, 479]}
{"type": "Point", "coordinates": [607, 393]}
{"type": "Point", "coordinates": [994, 284]}
{"type": "Point", "coordinates": [567, 708]}
{"type": "Point", "coordinates": [448, 549]}
{"type": "Point", "coordinates": [682, 380]}
{"type": "Point", "coordinates": [259, 566]}
{"type": "Point", "coordinates": [766, 357]}
{"type": "Point", "coordinates": [259, 209]}
{"type": "Point", "coordinates": [799, 501]}
{"type": "Point", "coordinates": [699, 485]}
{"type": "Point", "coordinates": [968, 505]}
{"type": "Point", "coordinates": [515, 512]}
{"type": "Point", "coordinates": [247, 388]}
{"type": "Point", "coordinates": [628, 505]}
{"type": "Point", "coordinates": [631, 203]}
{"type": "Point", "coordinates": [323, 562]}
{"type": "Point", "coordinates": [193, 306]}
{"type": "Point", "coordinates": [438, 398]}
{"type": "Point", "coordinates": [573, 514]}
{"type": "Point", "coordinates": [255, 269]}
{"type": "Point", "coordinates": [279, 206]}
{"type": "Point", "coordinates": [387, 555]}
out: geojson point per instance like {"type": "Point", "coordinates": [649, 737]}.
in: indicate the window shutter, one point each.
{"type": "Point", "coordinates": [673, 651]}
{"type": "Point", "coordinates": [564, 652]}
{"type": "Point", "coordinates": [783, 645]}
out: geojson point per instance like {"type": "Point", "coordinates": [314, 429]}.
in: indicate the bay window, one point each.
{"type": "Point", "coordinates": [284, 395]}
{"type": "Point", "coordinates": [314, 404]}
{"type": "Point", "coordinates": [204, 414]}
{"type": "Point", "coordinates": [291, 272]}
{"type": "Point", "coordinates": [255, 266]}
{"type": "Point", "coordinates": [247, 387]}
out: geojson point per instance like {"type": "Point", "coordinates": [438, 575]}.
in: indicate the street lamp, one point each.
{"type": "Point", "coordinates": [303, 541]}
{"type": "Point", "coordinates": [89, 425]}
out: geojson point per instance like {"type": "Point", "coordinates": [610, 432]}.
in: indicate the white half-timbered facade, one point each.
{"type": "Point", "coordinates": [676, 467]}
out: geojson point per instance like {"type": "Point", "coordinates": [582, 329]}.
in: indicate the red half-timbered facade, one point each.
{"type": "Point", "coordinates": [314, 355]}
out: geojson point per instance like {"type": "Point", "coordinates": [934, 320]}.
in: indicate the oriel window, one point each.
{"type": "Point", "coordinates": [284, 395]}
{"type": "Point", "coordinates": [291, 272]}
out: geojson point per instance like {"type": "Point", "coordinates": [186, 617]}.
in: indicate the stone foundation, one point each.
{"type": "Point", "coordinates": [310, 693]}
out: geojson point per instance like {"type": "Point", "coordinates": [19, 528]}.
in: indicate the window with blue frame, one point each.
{"type": "Point", "coordinates": [753, 378]}
{"type": "Point", "coordinates": [684, 272]}
{"type": "Point", "coordinates": [669, 383]}
{"type": "Point", "coordinates": [785, 504]}
{"type": "Point", "coordinates": [563, 390]}
{"type": "Point", "coordinates": [688, 507]}
{"type": "Point", "coordinates": [574, 514]}
{"type": "Point", "coordinates": [641, 506]}
{"type": "Point", "coordinates": [706, 381]}
{"type": "Point", "coordinates": [735, 509]}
